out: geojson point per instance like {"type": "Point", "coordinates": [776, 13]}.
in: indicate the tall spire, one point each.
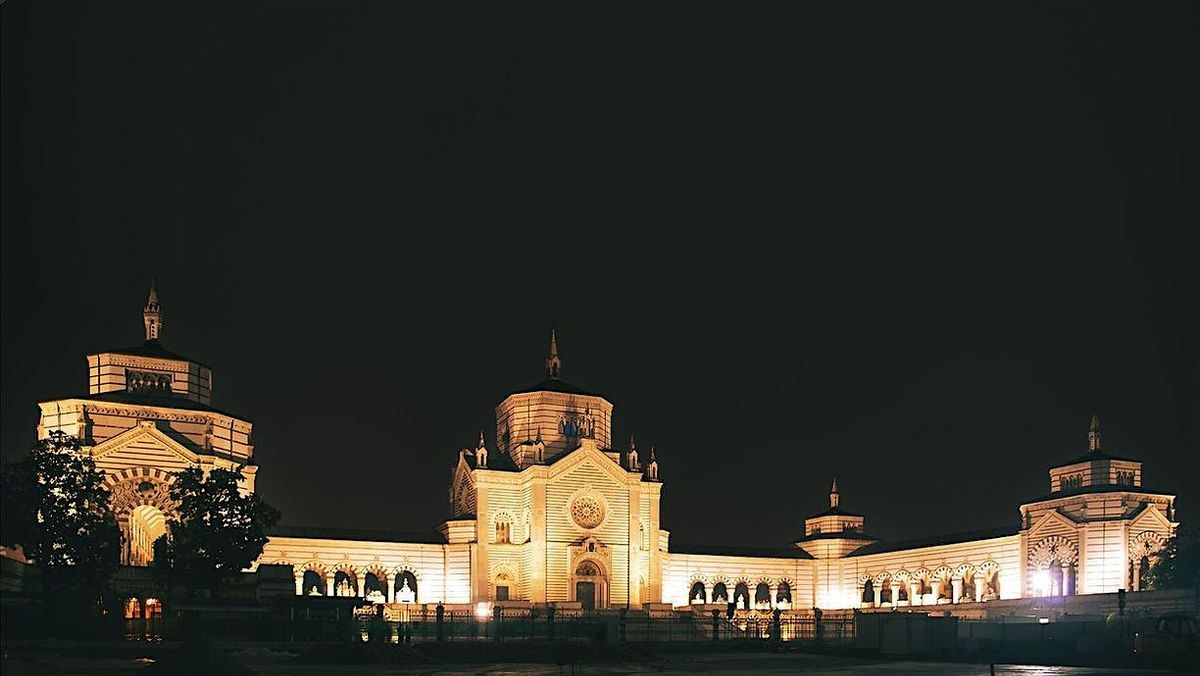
{"type": "Point", "coordinates": [152, 314]}
{"type": "Point", "coordinates": [553, 363]}
{"type": "Point", "coordinates": [833, 495]}
{"type": "Point", "coordinates": [1094, 435]}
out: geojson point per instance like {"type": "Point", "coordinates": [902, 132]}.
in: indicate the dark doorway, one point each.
{"type": "Point", "coordinates": [585, 593]}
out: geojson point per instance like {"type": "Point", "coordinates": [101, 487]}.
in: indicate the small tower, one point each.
{"type": "Point", "coordinates": [553, 363]}
{"type": "Point", "coordinates": [652, 467]}
{"type": "Point", "coordinates": [633, 455]}
{"type": "Point", "coordinates": [481, 453]}
{"type": "Point", "coordinates": [1094, 435]}
{"type": "Point", "coordinates": [833, 495]}
{"type": "Point", "coordinates": [152, 315]}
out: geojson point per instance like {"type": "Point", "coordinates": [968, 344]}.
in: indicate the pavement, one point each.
{"type": "Point", "coordinates": [267, 662]}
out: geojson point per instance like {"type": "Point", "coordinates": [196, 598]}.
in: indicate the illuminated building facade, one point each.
{"type": "Point", "coordinates": [555, 514]}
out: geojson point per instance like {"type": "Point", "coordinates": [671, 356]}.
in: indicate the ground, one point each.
{"type": "Point", "coordinates": [262, 661]}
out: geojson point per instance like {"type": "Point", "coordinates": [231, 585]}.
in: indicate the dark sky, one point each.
{"type": "Point", "coordinates": [912, 247]}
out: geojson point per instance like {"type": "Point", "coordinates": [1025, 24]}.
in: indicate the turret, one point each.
{"type": "Point", "coordinates": [553, 363]}
{"type": "Point", "coordinates": [152, 315]}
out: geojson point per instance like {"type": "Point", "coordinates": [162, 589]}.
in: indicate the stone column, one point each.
{"type": "Point", "coordinates": [299, 583]}
{"type": "Point", "coordinates": [1066, 583]}
{"type": "Point", "coordinates": [360, 584]}
{"type": "Point", "coordinates": [329, 584]}
{"type": "Point", "coordinates": [956, 586]}
{"type": "Point", "coordinates": [978, 580]}
{"type": "Point", "coordinates": [876, 592]}
{"type": "Point", "coordinates": [391, 587]}
{"type": "Point", "coordinates": [774, 589]}
{"type": "Point", "coordinates": [914, 592]}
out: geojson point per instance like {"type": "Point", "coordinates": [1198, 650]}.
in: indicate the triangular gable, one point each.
{"type": "Point", "coordinates": [1150, 518]}
{"type": "Point", "coordinates": [1053, 522]}
{"type": "Point", "coordinates": [585, 452]}
{"type": "Point", "coordinates": [145, 430]}
{"type": "Point", "coordinates": [461, 468]}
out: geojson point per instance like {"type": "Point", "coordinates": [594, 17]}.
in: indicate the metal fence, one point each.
{"type": "Point", "coordinates": [407, 624]}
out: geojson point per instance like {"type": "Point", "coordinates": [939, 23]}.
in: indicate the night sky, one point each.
{"type": "Point", "coordinates": [912, 248]}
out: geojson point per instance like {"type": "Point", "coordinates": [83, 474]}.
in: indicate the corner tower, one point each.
{"type": "Point", "coordinates": [539, 423]}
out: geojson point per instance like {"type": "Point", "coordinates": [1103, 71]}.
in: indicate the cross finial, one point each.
{"type": "Point", "coordinates": [833, 494]}
{"type": "Point", "coordinates": [553, 363]}
{"type": "Point", "coordinates": [1094, 435]}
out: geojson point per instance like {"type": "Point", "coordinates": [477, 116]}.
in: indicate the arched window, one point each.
{"type": "Point", "coordinates": [698, 594]}
{"type": "Point", "coordinates": [783, 594]}
{"type": "Point", "coordinates": [868, 595]}
{"type": "Point", "coordinates": [762, 594]}
{"type": "Point", "coordinates": [406, 587]}
{"type": "Point", "coordinates": [741, 595]}
{"type": "Point", "coordinates": [373, 588]}
{"type": "Point", "coordinates": [344, 584]}
{"type": "Point", "coordinates": [991, 585]}
{"type": "Point", "coordinates": [885, 592]}
{"type": "Point", "coordinates": [720, 593]}
{"type": "Point", "coordinates": [313, 584]}
{"type": "Point", "coordinates": [503, 530]}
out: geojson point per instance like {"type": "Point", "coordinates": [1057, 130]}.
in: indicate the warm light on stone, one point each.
{"type": "Point", "coordinates": [553, 513]}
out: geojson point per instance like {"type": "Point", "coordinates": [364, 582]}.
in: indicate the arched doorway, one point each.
{"type": "Point", "coordinates": [144, 525]}
{"type": "Point", "coordinates": [142, 505]}
{"type": "Point", "coordinates": [589, 586]}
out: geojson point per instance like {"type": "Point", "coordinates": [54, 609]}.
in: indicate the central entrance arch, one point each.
{"type": "Point", "coordinates": [589, 585]}
{"type": "Point", "coordinates": [141, 502]}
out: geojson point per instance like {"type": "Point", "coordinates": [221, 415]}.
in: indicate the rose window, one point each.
{"type": "Point", "coordinates": [587, 511]}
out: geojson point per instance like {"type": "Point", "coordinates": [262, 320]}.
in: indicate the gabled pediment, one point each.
{"type": "Point", "coordinates": [1150, 518]}
{"type": "Point", "coordinates": [462, 468]}
{"type": "Point", "coordinates": [1052, 522]}
{"type": "Point", "coordinates": [146, 430]}
{"type": "Point", "coordinates": [588, 453]}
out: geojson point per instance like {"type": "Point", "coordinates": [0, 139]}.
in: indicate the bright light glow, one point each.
{"type": "Point", "coordinates": [483, 610]}
{"type": "Point", "coordinates": [1041, 582]}
{"type": "Point", "coordinates": [1043, 620]}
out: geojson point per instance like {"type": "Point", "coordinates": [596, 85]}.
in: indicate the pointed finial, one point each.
{"type": "Point", "coordinates": [652, 458]}
{"type": "Point", "coordinates": [152, 314]}
{"type": "Point", "coordinates": [538, 438]}
{"type": "Point", "coordinates": [553, 363]}
{"type": "Point", "coordinates": [833, 494]}
{"type": "Point", "coordinates": [481, 444]}
{"type": "Point", "coordinates": [1094, 434]}
{"type": "Point", "coordinates": [632, 445]}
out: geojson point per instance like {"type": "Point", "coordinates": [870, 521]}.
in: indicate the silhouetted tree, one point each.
{"type": "Point", "coordinates": [219, 530]}
{"type": "Point", "coordinates": [56, 507]}
{"type": "Point", "coordinates": [1178, 564]}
